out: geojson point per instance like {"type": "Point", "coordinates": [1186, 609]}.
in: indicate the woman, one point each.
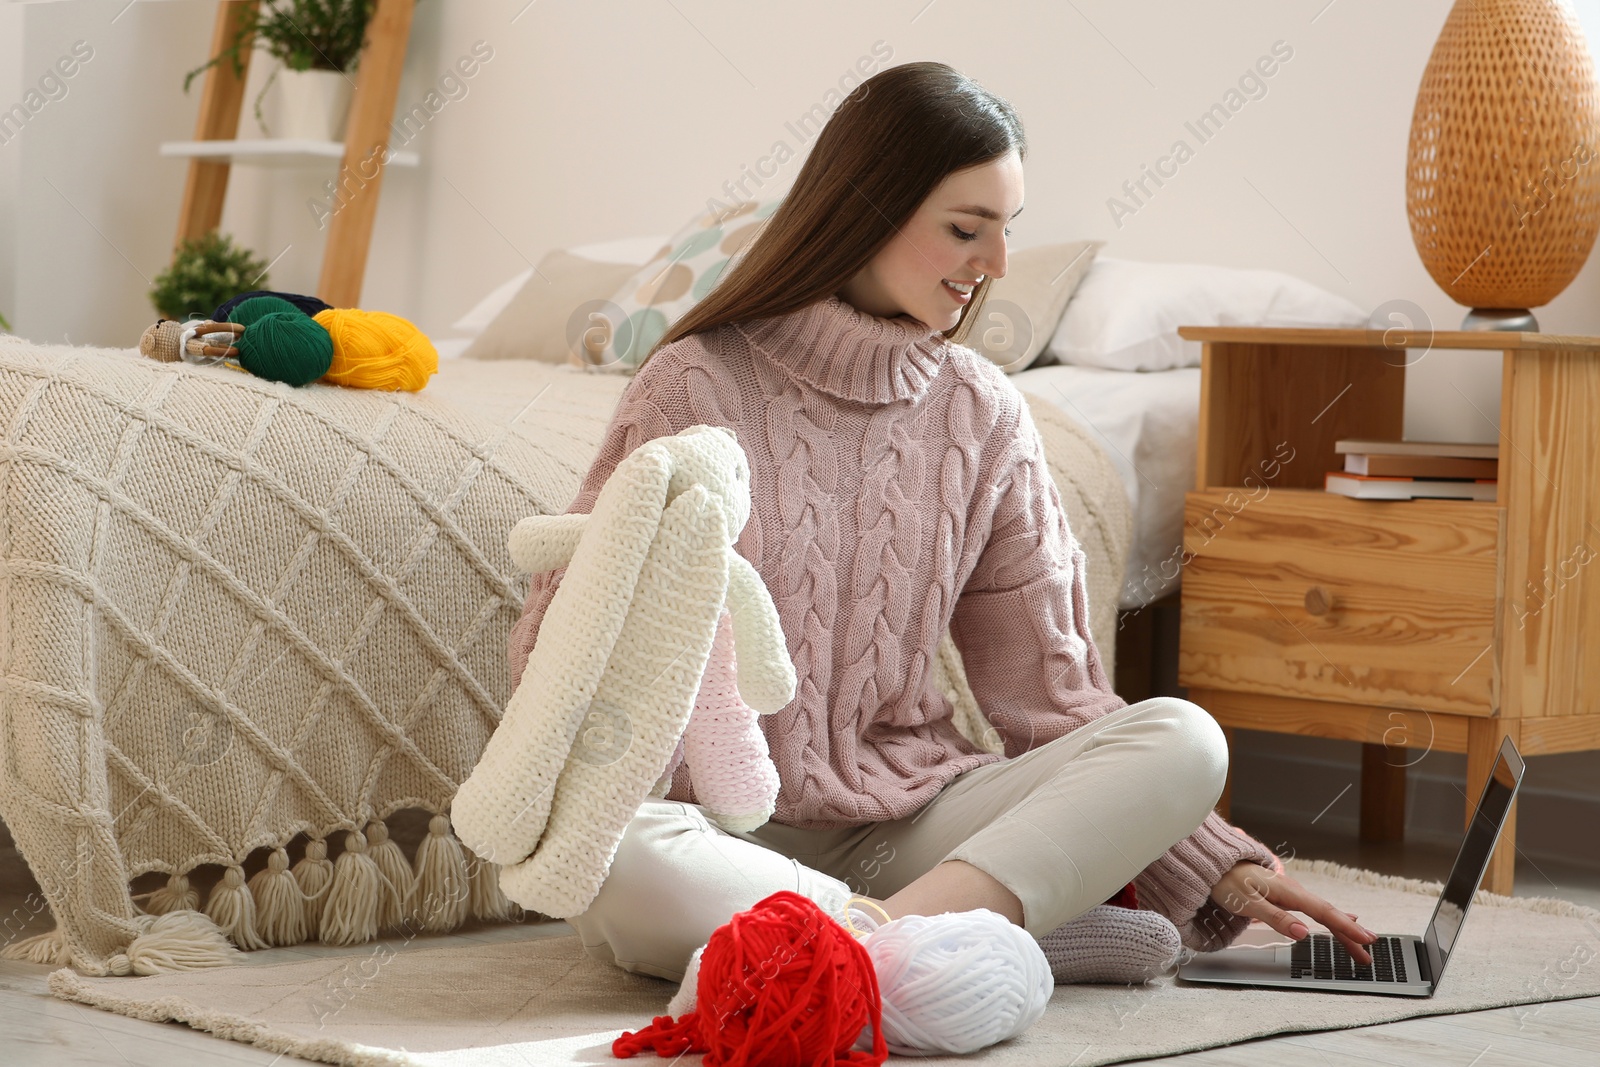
{"type": "Point", "coordinates": [899, 487]}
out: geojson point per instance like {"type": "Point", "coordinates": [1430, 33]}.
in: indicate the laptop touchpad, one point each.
{"type": "Point", "coordinates": [1240, 963]}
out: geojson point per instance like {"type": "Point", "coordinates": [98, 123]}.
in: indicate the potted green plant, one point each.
{"type": "Point", "coordinates": [206, 271]}
{"type": "Point", "coordinates": [317, 44]}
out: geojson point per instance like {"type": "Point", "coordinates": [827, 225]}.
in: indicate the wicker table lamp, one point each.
{"type": "Point", "coordinates": [1502, 179]}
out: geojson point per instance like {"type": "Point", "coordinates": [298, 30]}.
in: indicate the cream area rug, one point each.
{"type": "Point", "coordinates": [538, 999]}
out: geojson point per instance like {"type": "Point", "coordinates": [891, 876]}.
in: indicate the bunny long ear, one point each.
{"type": "Point", "coordinates": [545, 542]}
{"type": "Point", "coordinates": [639, 710]}
{"type": "Point", "coordinates": [766, 674]}
{"type": "Point", "coordinates": [501, 809]}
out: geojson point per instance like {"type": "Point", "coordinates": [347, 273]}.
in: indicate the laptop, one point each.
{"type": "Point", "coordinates": [1402, 965]}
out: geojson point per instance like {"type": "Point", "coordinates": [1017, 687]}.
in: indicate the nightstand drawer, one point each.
{"type": "Point", "coordinates": [1310, 594]}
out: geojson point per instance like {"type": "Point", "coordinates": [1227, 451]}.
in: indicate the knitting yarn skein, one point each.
{"type": "Point", "coordinates": [308, 305]}
{"type": "Point", "coordinates": [246, 312]}
{"type": "Point", "coordinates": [957, 982]}
{"type": "Point", "coordinates": [286, 346]}
{"type": "Point", "coordinates": [377, 350]}
{"type": "Point", "coordinates": [780, 984]}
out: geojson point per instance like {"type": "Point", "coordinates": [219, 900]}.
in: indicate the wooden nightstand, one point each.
{"type": "Point", "coordinates": [1405, 625]}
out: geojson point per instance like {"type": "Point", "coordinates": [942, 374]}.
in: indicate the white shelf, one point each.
{"type": "Point", "coordinates": [272, 152]}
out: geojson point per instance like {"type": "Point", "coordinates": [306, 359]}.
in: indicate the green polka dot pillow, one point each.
{"type": "Point", "coordinates": [677, 278]}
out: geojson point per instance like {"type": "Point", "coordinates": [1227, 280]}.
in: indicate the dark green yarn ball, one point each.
{"type": "Point", "coordinates": [286, 346]}
{"type": "Point", "coordinates": [246, 312]}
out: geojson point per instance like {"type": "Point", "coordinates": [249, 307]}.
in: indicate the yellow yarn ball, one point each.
{"type": "Point", "coordinates": [377, 350]}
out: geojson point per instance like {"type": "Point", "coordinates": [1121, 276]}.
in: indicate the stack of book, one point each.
{"type": "Point", "coordinates": [1401, 470]}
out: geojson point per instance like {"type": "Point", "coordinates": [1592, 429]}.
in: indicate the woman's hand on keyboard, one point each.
{"type": "Point", "coordinates": [1262, 893]}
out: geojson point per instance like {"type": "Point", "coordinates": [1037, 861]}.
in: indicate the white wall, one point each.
{"type": "Point", "coordinates": [10, 89]}
{"type": "Point", "coordinates": [617, 119]}
{"type": "Point", "coordinates": [611, 118]}
{"type": "Point", "coordinates": [96, 209]}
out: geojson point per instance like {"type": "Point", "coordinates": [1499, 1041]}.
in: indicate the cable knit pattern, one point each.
{"type": "Point", "coordinates": [1179, 882]}
{"type": "Point", "coordinates": [899, 488]}
{"type": "Point", "coordinates": [233, 611]}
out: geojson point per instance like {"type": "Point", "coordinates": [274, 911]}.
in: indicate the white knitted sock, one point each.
{"type": "Point", "coordinates": [1112, 944]}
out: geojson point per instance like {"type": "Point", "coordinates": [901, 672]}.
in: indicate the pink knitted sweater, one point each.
{"type": "Point", "coordinates": [899, 486]}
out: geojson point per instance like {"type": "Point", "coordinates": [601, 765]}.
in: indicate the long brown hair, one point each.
{"type": "Point", "coordinates": [885, 148]}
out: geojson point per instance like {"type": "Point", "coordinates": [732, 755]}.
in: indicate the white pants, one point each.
{"type": "Point", "coordinates": [1063, 826]}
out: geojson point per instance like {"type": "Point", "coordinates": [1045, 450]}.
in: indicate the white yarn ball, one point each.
{"type": "Point", "coordinates": [957, 982]}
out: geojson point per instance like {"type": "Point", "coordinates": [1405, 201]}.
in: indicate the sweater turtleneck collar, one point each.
{"type": "Point", "coordinates": [845, 352]}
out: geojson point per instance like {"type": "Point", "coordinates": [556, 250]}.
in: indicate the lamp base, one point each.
{"type": "Point", "coordinates": [1520, 320]}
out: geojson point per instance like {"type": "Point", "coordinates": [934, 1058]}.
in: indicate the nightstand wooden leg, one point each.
{"type": "Point", "coordinates": [1483, 744]}
{"type": "Point", "coordinates": [1383, 792]}
{"type": "Point", "coordinates": [1224, 802]}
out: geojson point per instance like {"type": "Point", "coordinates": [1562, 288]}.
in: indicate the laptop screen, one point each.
{"type": "Point", "coordinates": [1473, 860]}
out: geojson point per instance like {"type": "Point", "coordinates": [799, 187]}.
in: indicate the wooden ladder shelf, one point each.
{"type": "Point", "coordinates": [366, 142]}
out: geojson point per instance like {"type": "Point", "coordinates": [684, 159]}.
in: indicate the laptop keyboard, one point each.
{"type": "Point", "coordinates": [1323, 956]}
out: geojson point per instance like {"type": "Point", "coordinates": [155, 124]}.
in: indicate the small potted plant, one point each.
{"type": "Point", "coordinates": [206, 271]}
{"type": "Point", "coordinates": [317, 44]}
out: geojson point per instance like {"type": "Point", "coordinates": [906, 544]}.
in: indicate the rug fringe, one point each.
{"type": "Point", "coordinates": [68, 985]}
{"type": "Point", "coordinates": [1360, 876]}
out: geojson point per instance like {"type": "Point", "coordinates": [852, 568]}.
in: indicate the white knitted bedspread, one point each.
{"type": "Point", "coordinates": [231, 610]}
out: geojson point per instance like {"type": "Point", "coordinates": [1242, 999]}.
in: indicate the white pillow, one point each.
{"type": "Point", "coordinates": [633, 250]}
{"type": "Point", "coordinates": [1125, 313]}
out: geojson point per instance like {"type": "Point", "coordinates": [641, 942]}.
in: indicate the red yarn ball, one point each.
{"type": "Point", "coordinates": [782, 984]}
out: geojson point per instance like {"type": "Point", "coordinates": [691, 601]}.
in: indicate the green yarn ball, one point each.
{"type": "Point", "coordinates": [248, 311]}
{"type": "Point", "coordinates": [285, 346]}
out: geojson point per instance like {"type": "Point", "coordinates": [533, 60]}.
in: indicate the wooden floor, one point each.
{"type": "Point", "coordinates": [37, 1029]}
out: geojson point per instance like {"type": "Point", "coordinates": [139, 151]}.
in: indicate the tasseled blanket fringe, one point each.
{"type": "Point", "coordinates": [369, 889]}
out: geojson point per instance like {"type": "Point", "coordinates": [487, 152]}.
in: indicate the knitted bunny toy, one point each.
{"type": "Point", "coordinates": [616, 689]}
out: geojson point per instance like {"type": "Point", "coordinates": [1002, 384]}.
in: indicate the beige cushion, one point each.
{"type": "Point", "coordinates": [1022, 310]}
{"type": "Point", "coordinates": [546, 319]}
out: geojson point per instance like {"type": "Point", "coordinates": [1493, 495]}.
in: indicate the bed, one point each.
{"type": "Point", "coordinates": [238, 617]}
{"type": "Point", "coordinates": [1146, 422]}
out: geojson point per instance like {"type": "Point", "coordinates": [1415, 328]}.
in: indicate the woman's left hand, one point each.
{"type": "Point", "coordinates": [1262, 893]}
